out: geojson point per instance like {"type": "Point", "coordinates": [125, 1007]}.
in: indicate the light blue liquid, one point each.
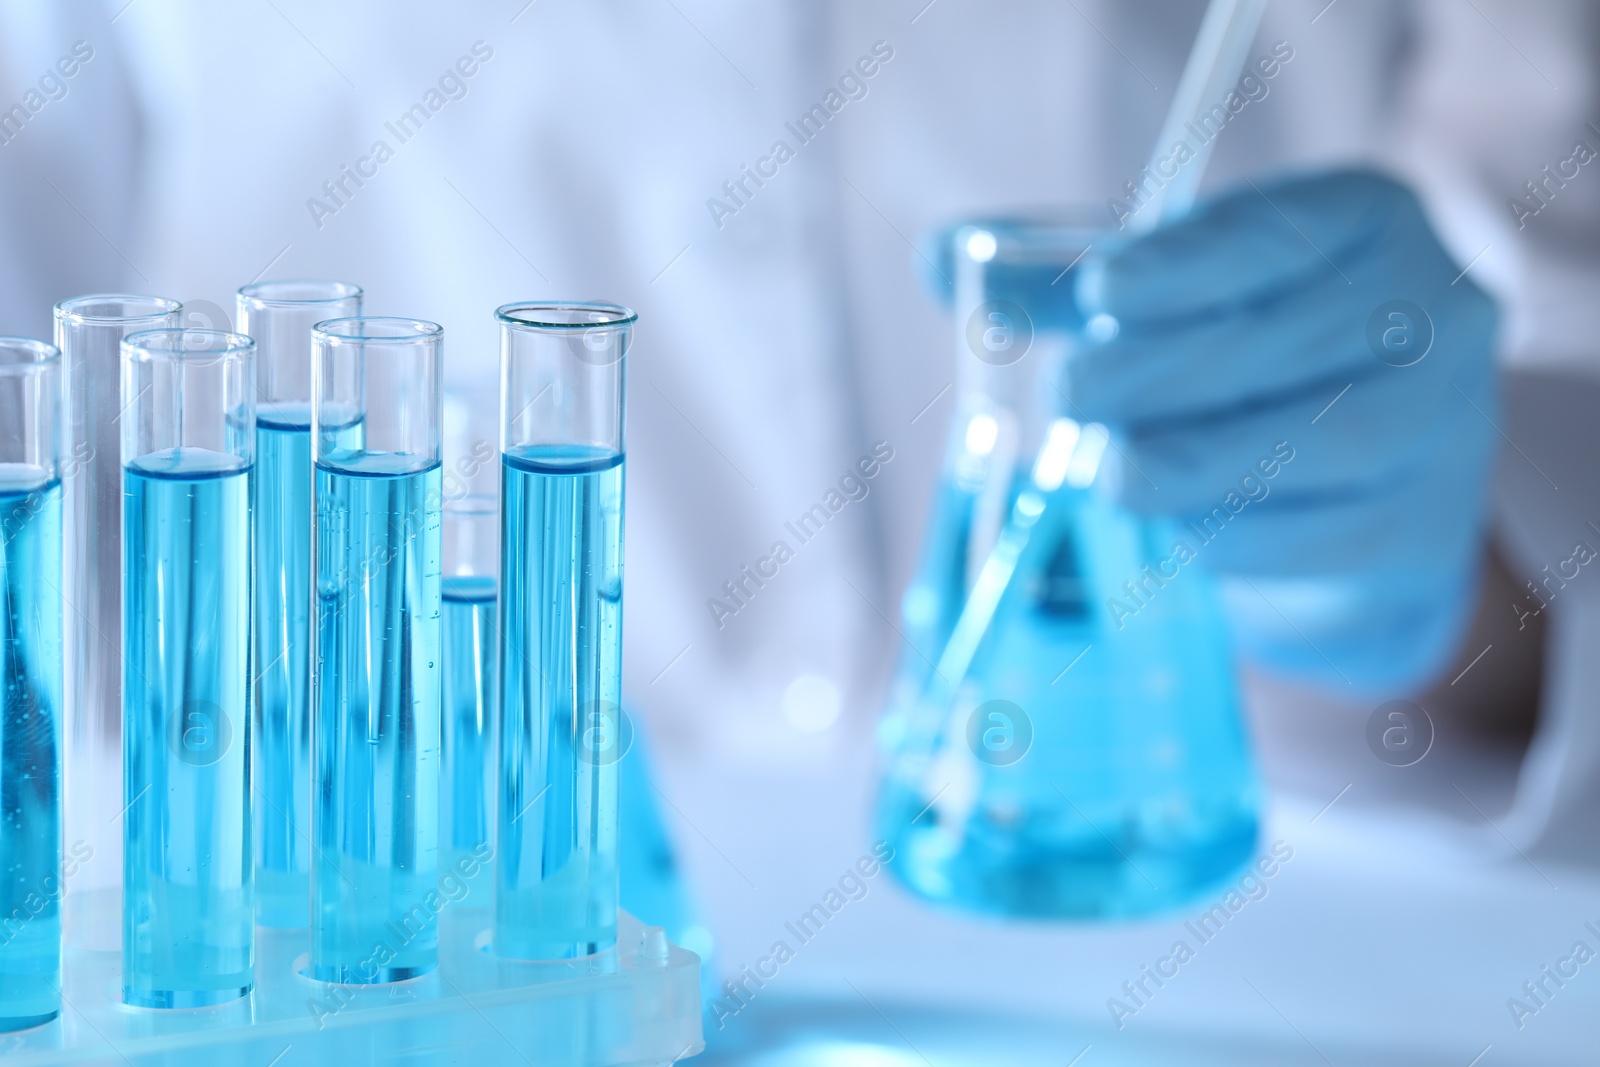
{"type": "Point", "coordinates": [187, 864]}
{"type": "Point", "coordinates": [561, 677]}
{"type": "Point", "coordinates": [376, 696]}
{"type": "Point", "coordinates": [283, 665]}
{"type": "Point", "coordinates": [30, 753]}
{"type": "Point", "coordinates": [1137, 791]}
{"type": "Point", "coordinates": [471, 658]}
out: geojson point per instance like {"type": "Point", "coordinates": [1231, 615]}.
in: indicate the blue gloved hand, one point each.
{"type": "Point", "coordinates": [1302, 376]}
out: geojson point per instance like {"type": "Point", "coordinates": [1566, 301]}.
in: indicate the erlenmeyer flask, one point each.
{"type": "Point", "coordinates": [1085, 756]}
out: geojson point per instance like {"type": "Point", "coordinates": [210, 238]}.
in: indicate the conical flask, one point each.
{"type": "Point", "coordinates": [1063, 738]}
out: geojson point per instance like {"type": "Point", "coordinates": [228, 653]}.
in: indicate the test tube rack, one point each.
{"type": "Point", "coordinates": [637, 1004]}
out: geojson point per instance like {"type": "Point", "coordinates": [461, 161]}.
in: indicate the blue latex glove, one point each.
{"type": "Point", "coordinates": [1235, 329]}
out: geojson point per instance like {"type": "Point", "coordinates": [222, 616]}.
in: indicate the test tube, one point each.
{"type": "Point", "coordinates": [279, 315]}
{"type": "Point", "coordinates": [188, 440]}
{"type": "Point", "coordinates": [89, 331]}
{"type": "Point", "coordinates": [375, 414]}
{"type": "Point", "coordinates": [470, 591]}
{"type": "Point", "coordinates": [30, 683]}
{"type": "Point", "coordinates": [562, 372]}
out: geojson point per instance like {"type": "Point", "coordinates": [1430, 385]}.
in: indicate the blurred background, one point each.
{"type": "Point", "coordinates": [794, 318]}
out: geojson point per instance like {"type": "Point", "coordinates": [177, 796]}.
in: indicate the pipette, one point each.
{"type": "Point", "coordinates": [1215, 63]}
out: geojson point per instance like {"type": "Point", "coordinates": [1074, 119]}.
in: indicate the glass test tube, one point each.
{"type": "Point", "coordinates": [89, 331]}
{"type": "Point", "coordinates": [561, 441]}
{"type": "Point", "coordinates": [376, 668]}
{"type": "Point", "coordinates": [470, 592]}
{"type": "Point", "coordinates": [279, 315]}
{"type": "Point", "coordinates": [30, 683]}
{"type": "Point", "coordinates": [188, 438]}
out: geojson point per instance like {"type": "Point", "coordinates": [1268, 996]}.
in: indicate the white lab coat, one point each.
{"type": "Point", "coordinates": [777, 342]}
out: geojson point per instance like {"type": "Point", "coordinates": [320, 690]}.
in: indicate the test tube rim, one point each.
{"type": "Point", "coordinates": [1071, 216]}
{"type": "Point", "coordinates": [43, 354]}
{"type": "Point", "coordinates": [139, 346]}
{"type": "Point", "coordinates": [421, 330]}
{"type": "Point", "coordinates": [508, 315]}
{"type": "Point", "coordinates": [330, 290]}
{"type": "Point", "coordinates": [163, 308]}
{"type": "Point", "coordinates": [337, 292]}
{"type": "Point", "coordinates": [1021, 238]}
